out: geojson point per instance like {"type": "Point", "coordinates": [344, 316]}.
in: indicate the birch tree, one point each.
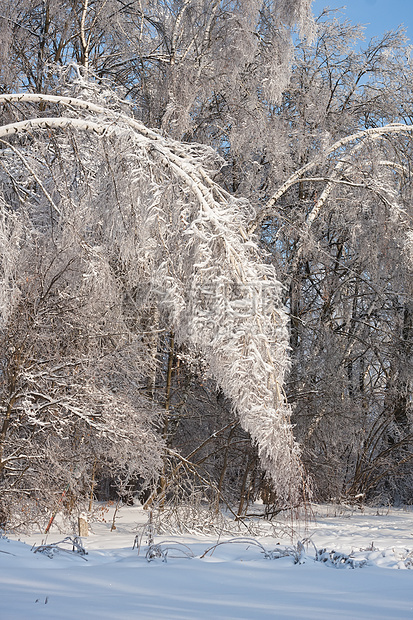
{"type": "Point", "coordinates": [155, 204]}
{"type": "Point", "coordinates": [121, 202]}
{"type": "Point", "coordinates": [339, 228]}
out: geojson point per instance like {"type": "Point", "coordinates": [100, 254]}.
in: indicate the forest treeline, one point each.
{"type": "Point", "coordinates": [206, 257]}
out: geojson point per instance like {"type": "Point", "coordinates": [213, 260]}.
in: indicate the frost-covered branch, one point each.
{"type": "Point", "coordinates": [360, 137]}
{"type": "Point", "coordinates": [177, 230]}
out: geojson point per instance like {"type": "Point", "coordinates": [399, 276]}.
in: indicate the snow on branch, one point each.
{"type": "Point", "coordinates": [360, 138]}
{"type": "Point", "coordinates": [175, 230]}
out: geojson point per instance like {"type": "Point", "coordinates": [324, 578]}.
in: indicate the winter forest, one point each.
{"type": "Point", "coordinates": [206, 258]}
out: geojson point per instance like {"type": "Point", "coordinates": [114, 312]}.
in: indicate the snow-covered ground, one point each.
{"type": "Point", "coordinates": [233, 581]}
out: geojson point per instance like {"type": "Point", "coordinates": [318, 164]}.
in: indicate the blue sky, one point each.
{"type": "Point", "coordinates": [378, 15]}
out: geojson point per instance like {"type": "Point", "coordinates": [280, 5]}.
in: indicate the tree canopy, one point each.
{"type": "Point", "coordinates": [206, 237]}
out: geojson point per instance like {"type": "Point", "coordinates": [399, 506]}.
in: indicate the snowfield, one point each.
{"type": "Point", "coordinates": [234, 580]}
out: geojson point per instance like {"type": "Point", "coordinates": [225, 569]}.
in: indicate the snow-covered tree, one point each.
{"type": "Point", "coordinates": [156, 238]}
{"type": "Point", "coordinates": [109, 222]}
{"type": "Point", "coordinates": [339, 227]}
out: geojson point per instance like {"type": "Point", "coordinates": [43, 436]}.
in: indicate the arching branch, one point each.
{"type": "Point", "coordinates": [218, 294]}
{"type": "Point", "coordinates": [360, 137]}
